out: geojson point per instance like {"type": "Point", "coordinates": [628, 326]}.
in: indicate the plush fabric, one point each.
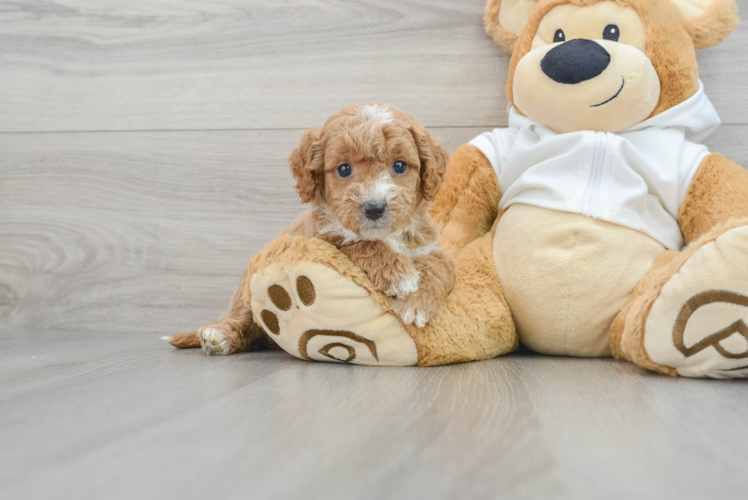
{"type": "Point", "coordinates": [716, 194]}
{"type": "Point", "coordinates": [467, 205]}
{"type": "Point", "coordinates": [641, 174]}
{"type": "Point", "coordinates": [315, 309]}
{"type": "Point", "coordinates": [505, 37]}
{"type": "Point", "coordinates": [574, 284]}
{"type": "Point", "coordinates": [716, 262]}
{"type": "Point", "coordinates": [705, 307]}
{"type": "Point", "coordinates": [475, 322]}
{"type": "Point", "coordinates": [711, 26]}
{"type": "Point", "coordinates": [360, 323]}
{"type": "Point", "coordinates": [589, 270]}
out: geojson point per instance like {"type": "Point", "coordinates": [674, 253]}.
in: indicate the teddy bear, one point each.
{"type": "Point", "coordinates": [596, 224]}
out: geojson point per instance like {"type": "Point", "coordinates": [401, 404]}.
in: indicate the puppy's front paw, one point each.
{"type": "Point", "coordinates": [418, 309]}
{"type": "Point", "coordinates": [407, 286]}
{"type": "Point", "coordinates": [214, 342]}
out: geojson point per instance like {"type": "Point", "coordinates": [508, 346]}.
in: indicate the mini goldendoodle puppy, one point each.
{"type": "Point", "coordinates": [370, 174]}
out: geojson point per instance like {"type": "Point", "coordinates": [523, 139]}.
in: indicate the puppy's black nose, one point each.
{"type": "Point", "coordinates": [575, 61]}
{"type": "Point", "coordinates": [374, 211]}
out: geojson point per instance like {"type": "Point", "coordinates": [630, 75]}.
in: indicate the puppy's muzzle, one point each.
{"type": "Point", "coordinates": [374, 211]}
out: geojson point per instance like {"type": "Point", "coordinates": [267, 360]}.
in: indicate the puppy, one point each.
{"type": "Point", "coordinates": [369, 174]}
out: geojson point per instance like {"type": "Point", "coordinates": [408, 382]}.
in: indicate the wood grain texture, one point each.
{"type": "Point", "coordinates": [143, 149]}
{"type": "Point", "coordinates": [150, 231]}
{"type": "Point", "coordinates": [254, 64]}
{"type": "Point", "coordinates": [123, 232]}
{"type": "Point", "coordinates": [88, 417]}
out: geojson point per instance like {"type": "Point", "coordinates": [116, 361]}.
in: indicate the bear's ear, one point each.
{"type": "Point", "coordinates": [505, 20]}
{"type": "Point", "coordinates": [708, 22]}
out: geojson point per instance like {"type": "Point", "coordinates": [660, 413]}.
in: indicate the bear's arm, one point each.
{"type": "Point", "coordinates": [468, 203]}
{"type": "Point", "coordinates": [717, 193]}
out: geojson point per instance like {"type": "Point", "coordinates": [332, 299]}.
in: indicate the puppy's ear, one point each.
{"type": "Point", "coordinates": [708, 22]}
{"type": "Point", "coordinates": [434, 159]}
{"type": "Point", "coordinates": [505, 19]}
{"type": "Point", "coordinates": [307, 163]}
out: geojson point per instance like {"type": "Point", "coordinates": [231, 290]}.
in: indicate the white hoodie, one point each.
{"type": "Point", "coordinates": [636, 178]}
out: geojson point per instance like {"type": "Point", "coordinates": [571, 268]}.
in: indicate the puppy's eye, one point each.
{"type": "Point", "coordinates": [400, 167]}
{"type": "Point", "coordinates": [345, 170]}
{"type": "Point", "coordinates": [612, 33]}
{"type": "Point", "coordinates": [560, 36]}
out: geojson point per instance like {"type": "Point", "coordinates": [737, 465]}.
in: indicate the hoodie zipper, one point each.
{"type": "Point", "coordinates": [592, 193]}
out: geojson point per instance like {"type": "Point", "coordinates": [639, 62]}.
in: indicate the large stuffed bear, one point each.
{"type": "Point", "coordinates": [596, 224]}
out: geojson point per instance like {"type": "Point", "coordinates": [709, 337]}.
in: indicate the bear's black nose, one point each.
{"type": "Point", "coordinates": [575, 61]}
{"type": "Point", "coordinates": [374, 211]}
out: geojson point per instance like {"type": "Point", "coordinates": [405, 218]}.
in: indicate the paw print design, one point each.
{"type": "Point", "coordinates": [699, 323]}
{"type": "Point", "coordinates": [314, 313]}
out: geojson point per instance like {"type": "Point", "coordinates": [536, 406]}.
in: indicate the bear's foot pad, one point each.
{"type": "Point", "coordinates": [699, 323]}
{"type": "Point", "coordinates": [314, 313]}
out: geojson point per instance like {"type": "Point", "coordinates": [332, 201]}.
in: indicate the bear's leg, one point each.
{"type": "Point", "coordinates": [475, 321]}
{"type": "Point", "coordinates": [346, 319]}
{"type": "Point", "coordinates": [317, 305]}
{"type": "Point", "coordinates": [689, 315]}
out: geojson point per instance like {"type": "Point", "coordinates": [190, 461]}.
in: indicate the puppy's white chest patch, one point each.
{"type": "Point", "coordinates": [397, 245]}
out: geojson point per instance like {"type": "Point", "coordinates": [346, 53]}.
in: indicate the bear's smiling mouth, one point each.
{"type": "Point", "coordinates": [623, 84]}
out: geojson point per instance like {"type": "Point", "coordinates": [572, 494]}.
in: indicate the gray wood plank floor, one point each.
{"type": "Point", "coordinates": [143, 150]}
{"type": "Point", "coordinates": [92, 417]}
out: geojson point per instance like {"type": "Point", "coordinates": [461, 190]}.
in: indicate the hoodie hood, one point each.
{"type": "Point", "coordinates": [696, 116]}
{"type": "Point", "coordinates": [637, 178]}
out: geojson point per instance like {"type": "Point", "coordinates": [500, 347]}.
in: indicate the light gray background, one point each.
{"type": "Point", "coordinates": [143, 149]}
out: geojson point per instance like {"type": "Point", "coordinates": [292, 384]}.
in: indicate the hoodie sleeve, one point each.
{"type": "Point", "coordinates": [496, 146]}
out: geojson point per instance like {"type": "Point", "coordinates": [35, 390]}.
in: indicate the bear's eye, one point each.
{"type": "Point", "coordinates": [345, 170]}
{"type": "Point", "coordinates": [400, 167]}
{"type": "Point", "coordinates": [560, 36]}
{"type": "Point", "coordinates": [612, 33]}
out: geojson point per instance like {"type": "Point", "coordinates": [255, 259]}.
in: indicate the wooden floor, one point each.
{"type": "Point", "coordinates": [143, 149]}
{"type": "Point", "coordinates": [89, 417]}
